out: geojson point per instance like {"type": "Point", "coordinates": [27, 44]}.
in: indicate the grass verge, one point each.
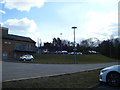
{"type": "Point", "coordinates": [69, 59]}
{"type": "Point", "coordinates": [75, 80]}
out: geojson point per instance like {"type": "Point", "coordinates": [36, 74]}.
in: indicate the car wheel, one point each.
{"type": "Point", "coordinates": [24, 59]}
{"type": "Point", "coordinates": [113, 79]}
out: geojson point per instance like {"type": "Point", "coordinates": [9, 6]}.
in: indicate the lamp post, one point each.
{"type": "Point", "coordinates": [74, 45]}
{"type": "Point", "coordinates": [61, 42]}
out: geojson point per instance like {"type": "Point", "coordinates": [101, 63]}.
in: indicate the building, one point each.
{"type": "Point", "coordinates": [14, 46]}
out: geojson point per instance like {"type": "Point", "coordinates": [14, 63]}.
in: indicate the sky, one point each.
{"type": "Point", "coordinates": [46, 19]}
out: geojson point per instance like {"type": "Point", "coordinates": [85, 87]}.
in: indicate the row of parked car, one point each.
{"type": "Point", "coordinates": [71, 53]}
{"type": "Point", "coordinates": [77, 53]}
{"type": "Point", "coordinates": [30, 57]}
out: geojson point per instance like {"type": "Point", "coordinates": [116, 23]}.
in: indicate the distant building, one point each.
{"type": "Point", "coordinates": [13, 46]}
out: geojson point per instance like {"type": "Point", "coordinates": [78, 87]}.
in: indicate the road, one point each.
{"type": "Point", "coordinates": [17, 71]}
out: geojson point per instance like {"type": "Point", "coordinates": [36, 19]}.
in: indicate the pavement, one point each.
{"type": "Point", "coordinates": [18, 71]}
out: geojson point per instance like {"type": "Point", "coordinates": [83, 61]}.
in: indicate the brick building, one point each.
{"type": "Point", "coordinates": [13, 46]}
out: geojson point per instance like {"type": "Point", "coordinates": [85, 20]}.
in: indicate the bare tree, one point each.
{"type": "Point", "coordinates": [39, 42]}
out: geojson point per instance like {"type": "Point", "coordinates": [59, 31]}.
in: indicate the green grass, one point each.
{"type": "Point", "coordinates": [75, 80]}
{"type": "Point", "coordinates": [69, 59]}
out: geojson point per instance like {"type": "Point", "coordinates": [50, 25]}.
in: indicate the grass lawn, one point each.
{"type": "Point", "coordinates": [75, 80]}
{"type": "Point", "coordinates": [69, 59]}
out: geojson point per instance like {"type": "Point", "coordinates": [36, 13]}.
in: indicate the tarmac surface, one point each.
{"type": "Point", "coordinates": [17, 71]}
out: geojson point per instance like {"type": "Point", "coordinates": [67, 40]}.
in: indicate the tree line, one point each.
{"type": "Point", "coordinates": [110, 47]}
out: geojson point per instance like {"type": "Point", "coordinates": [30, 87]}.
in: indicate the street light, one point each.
{"type": "Point", "coordinates": [61, 42]}
{"type": "Point", "coordinates": [74, 45]}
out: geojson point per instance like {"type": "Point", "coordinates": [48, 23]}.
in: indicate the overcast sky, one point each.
{"type": "Point", "coordinates": [46, 19]}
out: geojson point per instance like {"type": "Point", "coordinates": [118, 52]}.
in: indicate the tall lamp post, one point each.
{"type": "Point", "coordinates": [74, 45]}
{"type": "Point", "coordinates": [61, 42]}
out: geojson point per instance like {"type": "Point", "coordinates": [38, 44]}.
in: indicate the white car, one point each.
{"type": "Point", "coordinates": [26, 57]}
{"type": "Point", "coordinates": [71, 53]}
{"type": "Point", "coordinates": [79, 53]}
{"type": "Point", "coordinates": [110, 75]}
{"type": "Point", "coordinates": [76, 53]}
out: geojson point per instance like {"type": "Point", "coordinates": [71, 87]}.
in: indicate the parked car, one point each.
{"type": "Point", "coordinates": [91, 52]}
{"type": "Point", "coordinates": [61, 52]}
{"type": "Point", "coordinates": [71, 53]}
{"type": "Point", "coordinates": [110, 75]}
{"type": "Point", "coordinates": [79, 53]}
{"type": "Point", "coordinates": [26, 57]}
{"type": "Point", "coordinates": [76, 53]}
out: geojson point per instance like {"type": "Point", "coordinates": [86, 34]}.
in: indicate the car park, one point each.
{"type": "Point", "coordinates": [110, 75]}
{"type": "Point", "coordinates": [26, 57]}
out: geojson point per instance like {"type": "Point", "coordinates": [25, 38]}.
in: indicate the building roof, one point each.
{"type": "Point", "coordinates": [3, 28]}
{"type": "Point", "coordinates": [5, 35]}
{"type": "Point", "coordinates": [18, 38]}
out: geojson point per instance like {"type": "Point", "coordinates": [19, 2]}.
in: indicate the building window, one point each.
{"type": "Point", "coordinates": [5, 56]}
{"type": "Point", "coordinates": [30, 45]}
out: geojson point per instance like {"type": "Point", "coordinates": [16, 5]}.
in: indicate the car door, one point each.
{"type": "Point", "coordinates": [28, 57]}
